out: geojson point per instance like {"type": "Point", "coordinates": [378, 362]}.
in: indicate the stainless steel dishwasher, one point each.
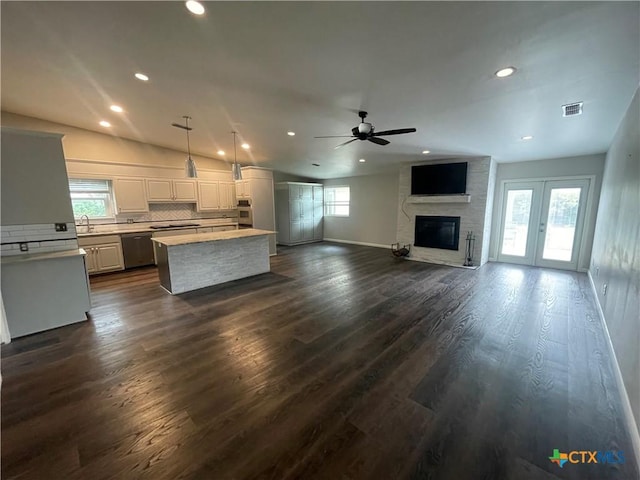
{"type": "Point", "coordinates": [137, 249]}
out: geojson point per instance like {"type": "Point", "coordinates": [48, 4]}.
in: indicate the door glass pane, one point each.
{"type": "Point", "coordinates": [561, 224]}
{"type": "Point", "coordinates": [516, 222]}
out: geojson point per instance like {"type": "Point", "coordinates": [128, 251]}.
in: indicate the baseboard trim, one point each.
{"type": "Point", "coordinates": [364, 244]}
{"type": "Point", "coordinates": [626, 404]}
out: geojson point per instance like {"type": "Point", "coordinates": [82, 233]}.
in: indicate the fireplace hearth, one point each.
{"type": "Point", "coordinates": [437, 232]}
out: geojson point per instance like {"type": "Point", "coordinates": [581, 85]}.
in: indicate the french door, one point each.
{"type": "Point", "coordinates": [542, 222]}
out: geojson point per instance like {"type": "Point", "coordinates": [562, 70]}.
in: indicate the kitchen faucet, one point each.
{"type": "Point", "coordinates": [88, 224]}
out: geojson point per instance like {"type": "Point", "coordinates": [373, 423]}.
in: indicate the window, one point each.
{"type": "Point", "coordinates": [336, 201]}
{"type": "Point", "coordinates": [91, 197]}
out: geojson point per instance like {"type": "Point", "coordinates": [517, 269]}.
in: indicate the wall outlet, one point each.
{"type": "Point", "coordinates": [61, 227]}
{"type": "Point", "coordinates": [604, 289]}
{"type": "Point", "coordinates": [129, 220]}
{"type": "Point", "coordinates": [24, 247]}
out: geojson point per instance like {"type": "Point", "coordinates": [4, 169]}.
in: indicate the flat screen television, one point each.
{"type": "Point", "coordinates": [440, 179]}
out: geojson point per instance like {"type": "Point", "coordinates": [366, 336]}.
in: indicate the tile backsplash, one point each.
{"type": "Point", "coordinates": [37, 238]}
{"type": "Point", "coordinates": [172, 211]}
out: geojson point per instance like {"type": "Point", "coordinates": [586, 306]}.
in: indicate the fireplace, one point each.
{"type": "Point", "coordinates": [437, 232]}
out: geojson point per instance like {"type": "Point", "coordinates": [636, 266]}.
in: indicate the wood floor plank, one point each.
{"type": "Point", "coordinates": [343, 362]}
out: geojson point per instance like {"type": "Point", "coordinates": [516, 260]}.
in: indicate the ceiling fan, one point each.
{"type": "Point", "coordinates": [365, 131]}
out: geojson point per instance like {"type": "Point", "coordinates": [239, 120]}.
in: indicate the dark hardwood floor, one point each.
{"type": "Point", "coordinates": [342, 363]}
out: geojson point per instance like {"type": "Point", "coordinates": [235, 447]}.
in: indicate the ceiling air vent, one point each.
{"type": "Point", "coordinates": [572, 109]}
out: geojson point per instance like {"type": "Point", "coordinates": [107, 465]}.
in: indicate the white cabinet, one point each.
{"type": "Point", "coordinates": [227, 195]}
{"type": "Point", "coordinates": [168, 190]}
{"type": "Point", "coordinates": [216, 195]}
{"type": "Point", "coordinates": [224, 228]}
{"type": "Point", "coordinates": [185, 191]}
{"type": "Point", "coordinates": [104, 253]}
{"type": "Point", "coordinates": [216, 228]}
{"type": "Point", "coordinates": [299, 212]}
{"type": "Point", "coordinates": [131, 196]}
{"type": "Point", "coordinates": [208, 196]}
{"type": "Point", "coordinates": [257, 184]}
{"type": "Point", "coordinates": [318, 212]}
{"type": "Point", "coordinates": [243, 188]}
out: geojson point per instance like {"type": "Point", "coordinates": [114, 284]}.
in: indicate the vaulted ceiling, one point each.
{"type": "Point", "coordinates": [266, 68]}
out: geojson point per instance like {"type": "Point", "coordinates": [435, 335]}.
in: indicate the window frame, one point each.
{"type": "Point", "coordinates": [106, 195]}
{"type": "Point", "coordinates": [331, 205]}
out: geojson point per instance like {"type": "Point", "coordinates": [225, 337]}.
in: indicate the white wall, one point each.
{"type": "Point", "coordinates": [373, 210]}
{"type": "Point", "coordinates": [616, 251]}
{"type": "Point", "coordinates": [555, 168]}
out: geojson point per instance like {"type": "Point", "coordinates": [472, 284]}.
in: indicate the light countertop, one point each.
{"type": "Point", "coordinates": [210, 237]}
{"type": "Point", "coordinates": [10, 259]}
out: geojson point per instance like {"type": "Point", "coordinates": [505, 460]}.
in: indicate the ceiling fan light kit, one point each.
{"type": "Point", "coordinates": [366, 131]}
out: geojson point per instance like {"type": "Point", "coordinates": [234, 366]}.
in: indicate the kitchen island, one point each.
{"type": "Point", "coordinates": [190, 262]}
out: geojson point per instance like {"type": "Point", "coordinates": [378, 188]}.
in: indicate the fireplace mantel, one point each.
{"type": "Point", "coordinates": [439, 199]}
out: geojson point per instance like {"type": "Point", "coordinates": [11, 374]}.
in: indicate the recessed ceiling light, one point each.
{"type": "Point", "coordinates": [526, 137]}
{"type": "Point", "coordinates": [220, 152]}
{"type": "Point", "coordinates": [506, 72]}
{"type": "Point", "coordinates": [195, 7]}
{"type": "Point", "coordinates": [425, 152]}
{"type": "Point", "coordinates": [142, 76]}
{"type": "Point", "coordinates": [116, 108]}
{"type": "Point", "coordinates": [246, 146]}
{"type": "Point", "coordinates": [291, 134]}
{"type": "Point", "coordinates": [362, 160]}
{"type": "Point", "coordinates": [104, 123]}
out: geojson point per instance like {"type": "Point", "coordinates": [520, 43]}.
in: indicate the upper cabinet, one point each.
{"type": "Point", "coordinates": [168, 190]}
{"type": "Point", "coordinates": [208, 196]}
{"type": "Point", "coordinates": [243, 188]}
{"type": "Point", "coordinates": [227, 195]}
{"type": "Point", "coordinates": [216, 195]}
{"type": "Point", "coordinates": [131, 195]}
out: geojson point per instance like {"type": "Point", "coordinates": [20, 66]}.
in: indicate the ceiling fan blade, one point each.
{"type": "Point", "coordinates": [398, 131]}
{"type": "Point", "coordinates": [343, 144]}
{"type": "Point", "coordinates": [335, 136]}
{"type": "Point", "coordinates": [181, 126]}
{"type": "Point", "coordinates": [379, 141]}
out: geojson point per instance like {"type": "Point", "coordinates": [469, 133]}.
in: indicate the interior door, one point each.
{"type": "Point", "coordinates": [542, 222]}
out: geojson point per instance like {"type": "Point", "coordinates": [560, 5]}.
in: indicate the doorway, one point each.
{"type": "Point", "coordinates": [542, 222]}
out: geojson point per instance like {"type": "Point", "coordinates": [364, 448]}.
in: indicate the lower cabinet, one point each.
{"type": "Point", "coordinates": [221, 228]}
{"type": "Point", "coordinates": [104, 253]}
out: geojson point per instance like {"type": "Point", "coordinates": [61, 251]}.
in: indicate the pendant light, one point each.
{"type": "Point", "coordinates": [189, 165]}
{"type": "Point", "coordinates": [235, 169]}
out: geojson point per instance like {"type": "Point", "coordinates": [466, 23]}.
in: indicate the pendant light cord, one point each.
{"type": "Point", "coordinates": [235, 152]}
{"type": "Point", "coordinates": [187, 118]}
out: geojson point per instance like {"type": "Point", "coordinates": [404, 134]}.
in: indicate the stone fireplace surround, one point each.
{"type": "Point", "coordinates": [474, 212]}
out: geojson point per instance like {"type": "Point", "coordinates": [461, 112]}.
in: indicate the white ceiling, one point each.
{"type": "Point", "coordinates": [264, 68]}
